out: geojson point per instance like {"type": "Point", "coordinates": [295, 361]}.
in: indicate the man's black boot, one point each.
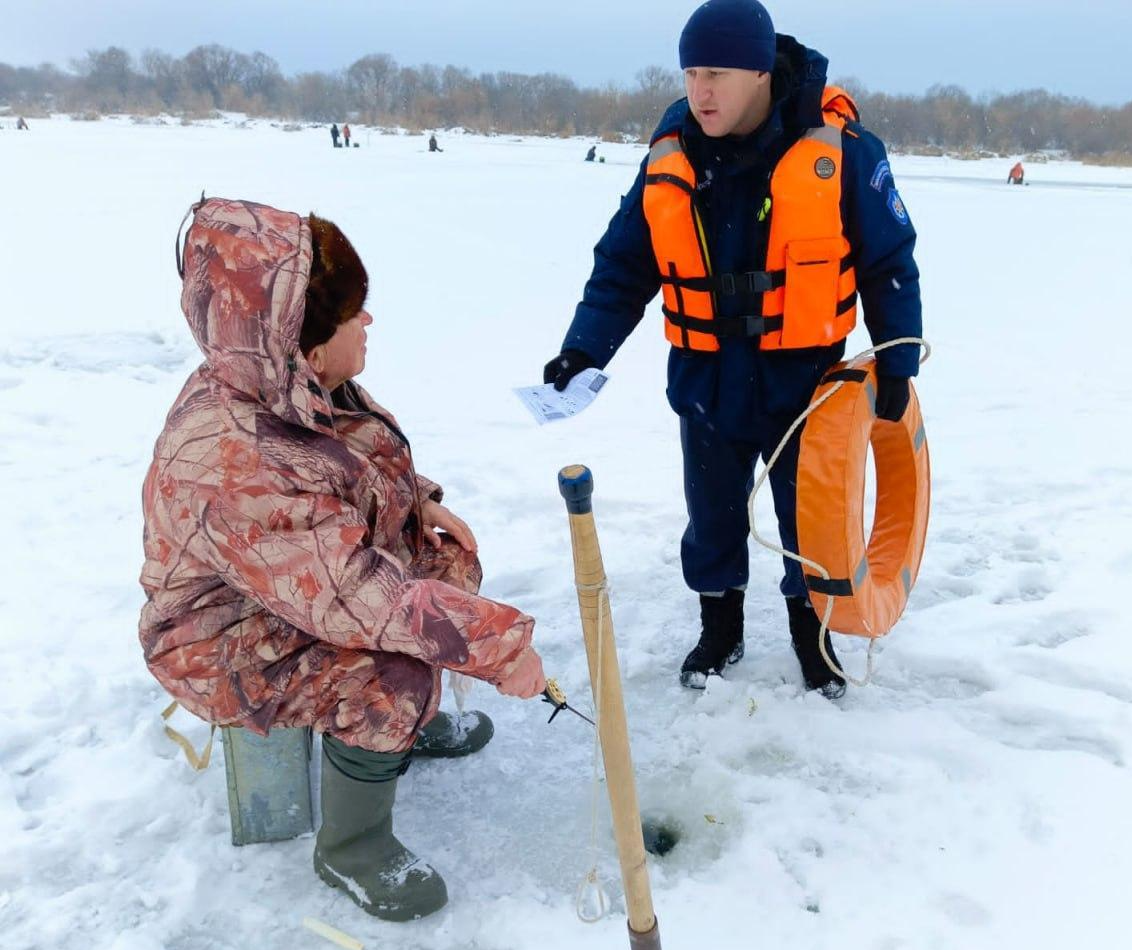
{"type": "Point", "coordinates": [721, 640]}
{"type": "Point", "coordinates": [804, 627]}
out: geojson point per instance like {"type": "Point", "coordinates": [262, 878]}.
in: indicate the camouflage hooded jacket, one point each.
{"type": "Point", "coordinates": [277, 521]}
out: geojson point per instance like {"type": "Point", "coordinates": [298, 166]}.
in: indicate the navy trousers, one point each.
{"type": "Point", "coordinates": [718, 477]}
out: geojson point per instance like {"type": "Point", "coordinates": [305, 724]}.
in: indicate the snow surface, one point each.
{"type": "Point", "coordinates": [975, 796]}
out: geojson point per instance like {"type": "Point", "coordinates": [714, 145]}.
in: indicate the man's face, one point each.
{"type": "Point", "coordinates": [343, 356]}
{"type": "Point", "coordinates": [727, 101]}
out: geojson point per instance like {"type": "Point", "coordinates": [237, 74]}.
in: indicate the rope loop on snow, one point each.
{"type": "Point", "coordinates": [198, 760]}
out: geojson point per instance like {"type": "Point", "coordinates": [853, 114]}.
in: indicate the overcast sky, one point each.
{"type": "Point", "coordinates": [1080, 49]}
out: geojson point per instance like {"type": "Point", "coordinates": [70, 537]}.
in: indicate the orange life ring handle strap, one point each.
{"type": "Point", "coordinates": [845, 375]}
{"type": "Point", "coordinates": [831, 587]}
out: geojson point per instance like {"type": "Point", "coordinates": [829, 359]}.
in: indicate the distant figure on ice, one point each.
{"type": "Point", "coordinates": [591, 154]}
{"type": "Point", "coordinates": [1016, 175]}
{"type": "Point", "coordinates": [298, 571]}
{"type": "Point", "coordinates": [752, 336]}
{"type": "Point", "coordinates": [346, 135]}
{"type": "Point", "coordinates": [432, 146]}
{"type": "Point", "coordinates": [334, 135]}
{"type": "Point", "coordinates": [21, 124]}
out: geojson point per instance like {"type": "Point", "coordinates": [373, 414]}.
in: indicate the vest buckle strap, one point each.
{"type": "Point", "coordinates": [751, 282]}
{"type": "Point", "coordinates": [728, 284]}
{"type": "Point", "coordinates": [750, 325]}
{"type": "Point", "coordinates": [764, 281]}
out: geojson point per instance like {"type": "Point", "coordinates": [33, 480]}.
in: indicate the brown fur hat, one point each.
{"type": "Point", "coordinates": [337, 287]}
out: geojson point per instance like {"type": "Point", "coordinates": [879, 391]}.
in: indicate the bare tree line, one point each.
{"type": "Point", "coordinates": [949, 118]}
{"type": "Point", "coordinates": [377, 90]}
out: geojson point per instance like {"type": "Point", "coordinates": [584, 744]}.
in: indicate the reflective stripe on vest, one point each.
{"type": "Point", "coordinates": [807, 288]}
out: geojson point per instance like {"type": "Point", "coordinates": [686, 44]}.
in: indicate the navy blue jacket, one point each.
{"type": "Point", "coordinates": [736, 389]}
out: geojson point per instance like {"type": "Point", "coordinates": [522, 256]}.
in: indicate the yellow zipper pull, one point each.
{"type": "Point", "coordinates": [764, 211]}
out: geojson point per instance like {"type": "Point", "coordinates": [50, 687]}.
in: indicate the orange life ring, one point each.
{"type": "Point", "coordinates": [869, 583]}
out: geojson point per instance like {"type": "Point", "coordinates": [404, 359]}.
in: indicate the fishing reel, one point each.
{"type": "Point", "coordinates": [554, 695]}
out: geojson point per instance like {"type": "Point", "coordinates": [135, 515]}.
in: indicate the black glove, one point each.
{"type": "Point", "coordinates": [892, 397]}
{"type": "Point", "coordinates": [565, 366]}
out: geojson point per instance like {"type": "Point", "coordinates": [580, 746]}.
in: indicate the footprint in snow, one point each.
{"type": "Point", "coordinates": [964, 910]}
{"type": "Point", "coordinates": [1034, 729]}
{"type": "Point", "coordinates": [933, 591]}
{"type": "Point", "coordinates": [1030, 584]}
{"type": "Point", "coordinates": [1052, 632]}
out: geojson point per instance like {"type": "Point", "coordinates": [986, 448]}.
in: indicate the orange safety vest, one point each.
{"type": "Point", "coordinates": [808, 287]}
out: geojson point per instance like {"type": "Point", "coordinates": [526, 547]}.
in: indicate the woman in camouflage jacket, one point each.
{"type": "Point", "coordinates": [293, 572]}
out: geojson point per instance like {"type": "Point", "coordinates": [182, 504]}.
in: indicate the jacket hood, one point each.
{"type": "Point", "coordinates": [246, 268]}
{"type": "Point", "coordinates": [799, 78]}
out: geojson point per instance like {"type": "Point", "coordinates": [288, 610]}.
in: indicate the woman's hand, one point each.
{"type": "Point", "coordinates": [527, 679]}
{"type": "Point", "coordinates": [436, 516]}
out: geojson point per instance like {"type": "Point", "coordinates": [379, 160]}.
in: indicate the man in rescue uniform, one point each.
{"type": "Point", "coordinates": [767, 215]}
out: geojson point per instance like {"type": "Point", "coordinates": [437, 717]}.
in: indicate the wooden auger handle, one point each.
{"type": "Point", "coordinates": [576, 486]}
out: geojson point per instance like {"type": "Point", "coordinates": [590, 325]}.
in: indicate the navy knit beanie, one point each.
{"type": "Point", "coordinates": [731, 34]}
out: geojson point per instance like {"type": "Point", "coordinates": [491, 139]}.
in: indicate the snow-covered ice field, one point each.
{"type": "Point", "coordinates": [977, 795]}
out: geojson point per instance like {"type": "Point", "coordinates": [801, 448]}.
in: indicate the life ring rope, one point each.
{"type": "Point", "coordinates": [770, 545]}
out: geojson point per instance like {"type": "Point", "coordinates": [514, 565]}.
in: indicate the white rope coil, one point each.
{"type": "Point", "coordinates": [794, 426]}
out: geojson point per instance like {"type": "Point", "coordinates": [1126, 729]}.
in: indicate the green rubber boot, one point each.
{"type": "Point", "coordinates": [448, 736]}
{"type": "Point", "coordinates": [357, 851]}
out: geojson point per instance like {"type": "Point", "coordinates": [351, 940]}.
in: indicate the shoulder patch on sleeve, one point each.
{"type": "Point", "coordinates": [896, 206]}
{"type": "Point", "coordinates": [881, 174]}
